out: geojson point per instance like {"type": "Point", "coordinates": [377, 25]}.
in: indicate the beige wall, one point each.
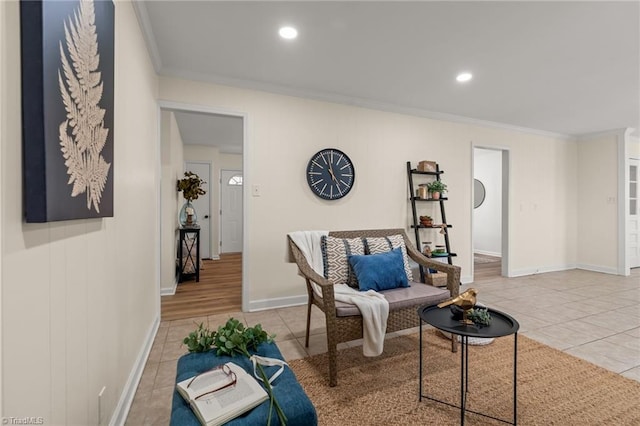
{"type": "Point", "coordinates": [231, 161]}
{"type": "Point", "coordinates": [283, 133]}
{"type": "Point", "coordinates": [172, 170]}
{"type": "Point", "coordinates": [633, 147]}
{"type": "Point", "coordinates": [5, 55]}
{"type": "Point", "coordinates": [598, 202]}
{"type": "Point", "coordinates": [80, 298]}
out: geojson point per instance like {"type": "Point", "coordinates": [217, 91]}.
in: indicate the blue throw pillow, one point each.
{"type": "Point", "coordinates": [379, 271]}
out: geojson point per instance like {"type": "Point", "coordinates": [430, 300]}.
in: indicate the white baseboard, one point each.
{"type": "Point", "coordinates": [541, 270]}
{"type": "Point", "coordinates": [592, 268]}
{"type": "Point", "coordinates": [488, 253]}
{"type": "Point", "coordinates": [169, 291]}
{"type": "Point", "coordinates": [126, 397]}
{"type": "Point", "coordinates": [596, 268]}
{"type": "Point", "coordinates": [281, 302]}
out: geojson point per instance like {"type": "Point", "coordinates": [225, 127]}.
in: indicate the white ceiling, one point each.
{"type": "Point", "coordinates": [565, 68]}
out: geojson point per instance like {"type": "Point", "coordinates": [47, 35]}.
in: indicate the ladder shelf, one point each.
{"type": "Point", "coordinates": [416, 225]}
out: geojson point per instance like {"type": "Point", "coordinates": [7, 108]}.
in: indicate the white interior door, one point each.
{"type": "Point", "coordinates": [633, 225]}
{"type": "Point", "coordinates": [203, 206]}
{"type": "Point", "coordinates": [231, 211]}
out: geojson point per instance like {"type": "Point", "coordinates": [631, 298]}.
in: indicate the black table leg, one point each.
{"type": "Point", "coordinates": [463, 375]}
{"type": "Point", "coordinates": [198, 257]}
{"type": "Point", "coordinates": [515, 378]}
{"type": "Point", "coordinates": [420, 375]}
{"type": "Point", "coordinates": [466, 365]}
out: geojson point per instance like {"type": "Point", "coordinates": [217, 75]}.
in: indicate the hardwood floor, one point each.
{"type": "Point", "coordinates": [219, 290]}
{"type": "Point", "coordinates": [486, 267]}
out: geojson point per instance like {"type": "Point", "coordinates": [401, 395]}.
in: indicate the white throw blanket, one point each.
{"type": "Point", "coordinates": [373, 306]}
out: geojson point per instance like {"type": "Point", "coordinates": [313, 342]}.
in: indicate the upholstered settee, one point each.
{"type": "Point", "coordinates": [343, 321]}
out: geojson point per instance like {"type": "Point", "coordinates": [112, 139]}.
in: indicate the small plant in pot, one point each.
{"type": "Point", "coordinates": [436, 188]}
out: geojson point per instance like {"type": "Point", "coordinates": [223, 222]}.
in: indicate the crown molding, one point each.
{"type": "Point", "coordinates": [145, 25]}
{"type": "Point", "coordinates": [622, 132]}
{"type": "Point", "coordinates": [352, 101]}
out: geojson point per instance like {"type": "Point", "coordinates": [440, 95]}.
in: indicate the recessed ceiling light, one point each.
{"type": "Point", "coordinates": [288, 33]}
{"type": "Point", "coordinates": [464, 77]}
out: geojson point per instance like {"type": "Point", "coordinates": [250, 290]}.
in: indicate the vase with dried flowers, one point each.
{"type": "Point", "coordinates": [191, 188]}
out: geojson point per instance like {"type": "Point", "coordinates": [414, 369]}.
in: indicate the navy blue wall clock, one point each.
{"type": "Point", "coordinates": [330, 174]}
{"type": "Point", "coordinates": [67, 108]}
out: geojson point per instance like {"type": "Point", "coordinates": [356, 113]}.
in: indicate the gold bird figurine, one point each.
{"type": "Point", "coordinates": [466, 300]}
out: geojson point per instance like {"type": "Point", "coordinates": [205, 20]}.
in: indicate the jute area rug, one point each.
{"type": "Point", "coordinates": [554, 388]}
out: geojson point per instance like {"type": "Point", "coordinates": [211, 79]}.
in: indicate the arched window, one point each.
{"type": "Point", "coordinates": [235, 180]}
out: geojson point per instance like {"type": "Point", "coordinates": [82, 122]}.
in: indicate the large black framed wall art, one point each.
{"type": "Point", "coordinates": [67, 109]}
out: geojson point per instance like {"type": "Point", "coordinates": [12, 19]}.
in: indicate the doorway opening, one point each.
{"type": "Point", "coordinates": [205, 141]}
{"type": "Point", "coordinates": [490, 214]}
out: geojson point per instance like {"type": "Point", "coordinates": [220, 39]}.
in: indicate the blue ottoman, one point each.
{"type": "Point", "coordinates": [289, 394]}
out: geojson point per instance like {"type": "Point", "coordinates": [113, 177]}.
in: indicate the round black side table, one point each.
{"type": "Point", "coordinates": [501, 325]}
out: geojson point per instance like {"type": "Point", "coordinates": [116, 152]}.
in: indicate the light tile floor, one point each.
{"type": "Point", "coordinates": [590, 315]}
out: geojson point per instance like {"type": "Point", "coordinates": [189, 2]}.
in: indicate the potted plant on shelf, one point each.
{"type": "Point", "coordinates": [191, 188]}
{"type": "Point", "coordinates": [436, 188]}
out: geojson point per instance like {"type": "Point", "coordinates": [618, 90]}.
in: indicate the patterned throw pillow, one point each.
{"type": "Point", "coordinates": [335, 252]}
{"type": "Point", "coordinates": [384, 244]}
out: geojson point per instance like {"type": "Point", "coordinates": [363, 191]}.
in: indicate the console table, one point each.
{"type": "Point", "coordinates": [189, 252]}
{"type": "Point", "coordinates": [501, 325]}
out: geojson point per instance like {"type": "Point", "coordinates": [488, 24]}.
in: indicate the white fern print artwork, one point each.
{"type": "Point", "coordinates": [82, 133]}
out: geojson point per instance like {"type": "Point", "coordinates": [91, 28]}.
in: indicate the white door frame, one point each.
{"type": "Point", "coordinates": [506, 191]}
{"type": "Point", "coordinates": [179, 106]}
{"type": "Point", "coordinates": [623, 201]}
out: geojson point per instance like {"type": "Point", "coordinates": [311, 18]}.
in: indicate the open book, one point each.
{"type": "Point", "coordinates": [222, 394]}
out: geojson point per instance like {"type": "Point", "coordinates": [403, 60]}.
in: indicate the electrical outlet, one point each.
{"type": "Point", "coordinates": [255, 190]}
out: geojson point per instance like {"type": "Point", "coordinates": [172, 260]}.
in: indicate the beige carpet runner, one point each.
{"type": "Point", "coordinates": [553, 388]}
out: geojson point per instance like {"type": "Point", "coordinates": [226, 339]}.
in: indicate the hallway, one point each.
{"type": "Point", "coordinates": [219, 291]}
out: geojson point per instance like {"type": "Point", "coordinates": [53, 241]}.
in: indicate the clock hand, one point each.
{"type": "Point", "coordinates": [333, 176]}
{"type": "Point", "coordinates": [328, 163]}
